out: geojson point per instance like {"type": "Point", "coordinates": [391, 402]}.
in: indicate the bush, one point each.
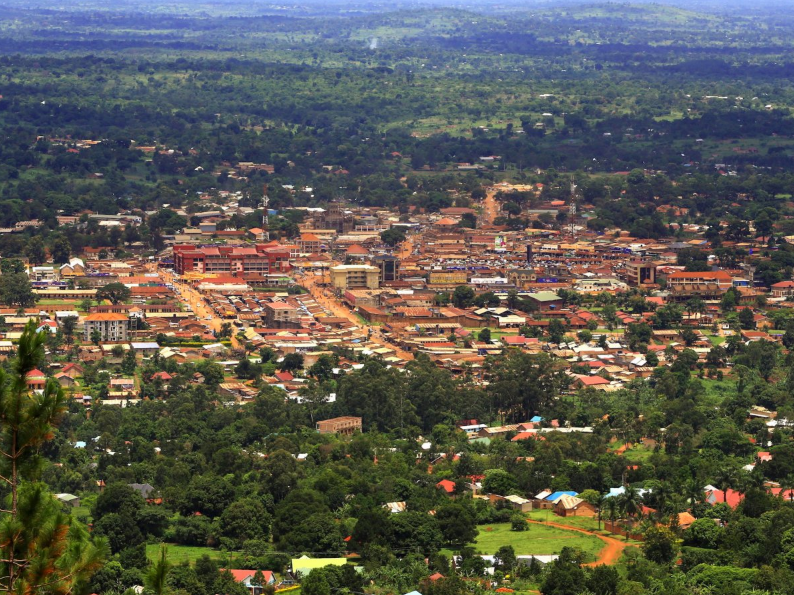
{"type": "Point", "coordinates": [518, 522]}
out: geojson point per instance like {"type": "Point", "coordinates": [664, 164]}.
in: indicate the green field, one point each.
{"type": "Point", "coordinates": [178, 554]}
{"type": "Point", "coordinates": [537, 540]}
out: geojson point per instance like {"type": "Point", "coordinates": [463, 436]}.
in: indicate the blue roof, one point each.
{"type": "Point", "coordinates": [557, 495]}
{"type": "Point", "coordinates": [536, 420]}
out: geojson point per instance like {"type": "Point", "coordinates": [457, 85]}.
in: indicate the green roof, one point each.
{"type": "Point", "coordinates": [545, 296]}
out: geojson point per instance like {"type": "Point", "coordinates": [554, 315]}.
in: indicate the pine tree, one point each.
{"type": "Point", "coordinates": [41, 550]}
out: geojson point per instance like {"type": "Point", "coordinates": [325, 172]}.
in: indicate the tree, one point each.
{"type": "Point", "coordinates": [518, 522]}
{"type": "Point", "coordinates": [659, 545]}
{"type": "Point", "coordinates": [462, 296]}
{"type": "Point", "coordinates": [243, 520]}
{"type": "Point", "coordinates": [11, 265]}
{"type": "Point", "coordinates": [68, 326]}
{"type": "Point", "coordinates": [457, 522]}
{"type": "Point", "coordinates": [35, 251]}
{"type": "Point", "coordinates": [39, 551]}
{"type": "Point", "coordinates": [392, 236]}
{"type": "Point", "coordinates": [746, 319]}
{"type": "Point", "coordinates": [157, 577]}
{"type": "Point", "coordinates": [61, 250]}
{"type": "Point", "coordinates": [484, 335]}
{"type": "Point", "coordinates": [115, 292]}
{"type": "Point", "coordinates": [505, 558]}
{"type": "Point", "coordinates": [522, 384]}
{"type": "Point", "coordinates": [556, 330]}
{"type": "Point", "coordinates": [292, 362]}
{"type": "Point", "coordinates": [95, 336]}
{"type": "Point", "coordinates": [15, 290]}
{"type": "Point", "coordinates": [499, 481]}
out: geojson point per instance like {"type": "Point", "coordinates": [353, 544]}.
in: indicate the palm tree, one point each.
{"type": "Point", "coordinates": [727, 478]}
{"type": "Point", "coordinates": [631, 503]}
{"type": "Point", "coordinates": [612, 506]}
{"type": "Point", "coordinates": [600, 505]}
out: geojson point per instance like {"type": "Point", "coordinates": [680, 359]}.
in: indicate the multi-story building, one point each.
{"type": "Point", "coordinates": [261, 259]}
{"type": "Point", "coordinates": [355, 276]}
{"type": "Point", "coordinates": [111, 327]}
{"type": "Point", "coordinates": [281, 315]}
{"type": "Point", "coordinates": [339, 425]}
{"type": "Point", "coordinates": [640, 273]}
{"type": "Point", "coordinates": [388, 268]}
{"type": "Point", "coordinates": [707, 285]}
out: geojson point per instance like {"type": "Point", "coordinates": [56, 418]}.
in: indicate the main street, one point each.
{"type": "Point", "coordinates": [323, 297]}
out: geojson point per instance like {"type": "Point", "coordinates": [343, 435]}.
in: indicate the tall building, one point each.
{"type": "Point", "coordinates": [388, 267]}
{"type": "Point", "coordinates": [640, 273]}
{"type": "Point", "coordinates": [111, 327]}
{"type": "Point", "coordinates": [355, 276]}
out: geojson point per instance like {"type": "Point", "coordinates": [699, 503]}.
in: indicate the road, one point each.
{"type": "Point", "coordinates": [323, 297]}
{"type": "Point", "coordinates": [188, 295]}
{"type": "Point", "coordinates": [490, 207]}
{"type": "Point", "coordinates": [609, 554]}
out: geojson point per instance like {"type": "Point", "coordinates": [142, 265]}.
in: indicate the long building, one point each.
{"type": "Point", "coordinates": [260, 259]}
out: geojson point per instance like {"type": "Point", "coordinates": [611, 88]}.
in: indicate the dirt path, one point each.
{"type": "Point", "coordinates": [609, 554]}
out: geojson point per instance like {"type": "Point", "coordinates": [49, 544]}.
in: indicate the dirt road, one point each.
{"type": "Point", "coordinates": [490, 208]}
{"type": "Point", "coordinates": [609, 554]}
{"type": "Point", "coordinates": [330, 303]}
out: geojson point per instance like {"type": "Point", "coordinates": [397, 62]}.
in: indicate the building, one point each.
{"type": "Point", "coordinates": [238, 261]}
{"type": "Point", "coordinates": [707, 285]}
{"type": "Point", "coordinates": [388, 267]}
{"type": "Point", "coordinates": [111, 327]}
{"type": "Point", "coordinates": [783, 289]}
{"type": "Point", "coordinates": [74, 268]}
{"type": "Point", "coordinates": [355, 276]}
{"type": "Point", "coordinates": [339, 425]}
{"type": "Point", "coordinates": [546, 300]}
{"type": "Point", "coordinates": [281, 315]}
{"type": "Point", "coordinates": [35, 380]}
{"type": "Point", "coordinates": [640, 273]}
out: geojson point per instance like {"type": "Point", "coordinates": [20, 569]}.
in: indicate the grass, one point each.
{"type": "Point", "coordinates": [178, 554]}
{"type": "Point", "coordinates": [537, 540]}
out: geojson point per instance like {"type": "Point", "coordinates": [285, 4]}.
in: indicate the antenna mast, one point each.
{"type": "Point", "coordinates": [572, 207]}
{"type": "Point", "coordinates": [265, 227]}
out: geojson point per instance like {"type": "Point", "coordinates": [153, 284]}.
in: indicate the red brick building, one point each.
{"type": "Point", "coordinates": [260, 259]}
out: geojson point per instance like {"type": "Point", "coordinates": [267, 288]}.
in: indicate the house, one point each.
{"type": "Point", "coordinates": [65, 380]}
{"type": "Point", "coordinates": [783, 289]}
{"type": "Point", "coordinates": [35, 380]}
{"type": "Point", "coordinates": [573, 506]}
{"type": "Point", "coordinates": [339, 425]}
{"type": "Point", "coordinates": [447, 485]}
{"type": "Point", "coordinates": [518, 503]}
{"type": "Point", "coordinates": [68, 499]}
{"type": "Point", "coordinates": [395, 507]}
{"type": "Point", "coordinates": [245, 578]}
{"type": "Point", "coordinates": [72, 370]}
{"type": "Point", "coordinates": [731, 497]}
{"type": "Point", "coordinates": [144, 489]}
